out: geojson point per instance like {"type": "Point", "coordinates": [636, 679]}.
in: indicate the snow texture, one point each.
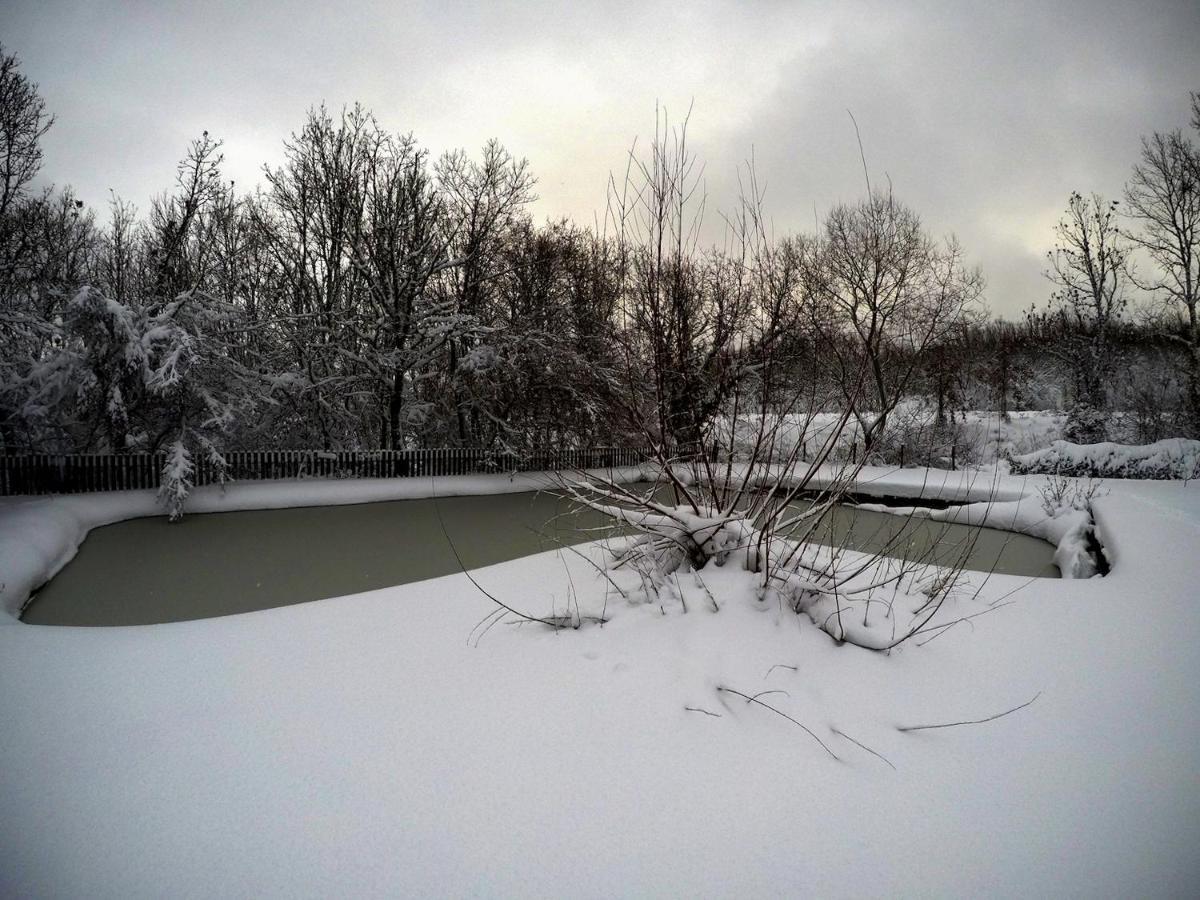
{"type": "Point", "coordinates": [376, 745]}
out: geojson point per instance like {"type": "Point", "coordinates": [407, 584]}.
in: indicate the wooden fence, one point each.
{"type": "Point", "coordinates": [47, 473]}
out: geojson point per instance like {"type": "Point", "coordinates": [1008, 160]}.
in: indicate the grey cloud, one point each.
{"type": "Point", "coordinates": [984, 115]}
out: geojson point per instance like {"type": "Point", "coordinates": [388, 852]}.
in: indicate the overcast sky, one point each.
{"type": "Point", "coordinates": [984, 115]}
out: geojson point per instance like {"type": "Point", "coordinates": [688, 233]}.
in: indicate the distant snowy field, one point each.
{"type": "Point", "coordinates": [368, 746]}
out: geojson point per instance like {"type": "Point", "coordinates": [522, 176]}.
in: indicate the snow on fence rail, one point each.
{"type": "Point", "coordinates": [49, 473]}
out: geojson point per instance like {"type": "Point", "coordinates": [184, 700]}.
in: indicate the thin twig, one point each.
{"type": "Point", "coordinates": [864, 746]}
{"type": "Point", "coordinates": [453, 549]}
{"type": "Point", "coordinates": [969, 721]}
{"type": "Point", "coordinates": [492, 617]}
{"type": "Point", "coordinates": [779, 666]}
{"type": "Point", "coordinates": [777, 712]}
{"type": "Point", "coordinates": [764, 693]}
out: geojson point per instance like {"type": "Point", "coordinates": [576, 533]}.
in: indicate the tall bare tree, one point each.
{"type": "Point", "coordinates": [1090, 267]}
{"type": "Point", "coordinates": [403, 246]}
{"type": "Point", "coordinates": [1163, 198]}
{"type": "Point", "coordinates": [311, 220]}
{"type": "Point", "coordinates": [485, 201]}
{"type": "Point", "coordinates": [23, 123]}
{"type": "Point", "coordinates": [881, 291]}
{"type": "Point", "coordinates": [47, 240]}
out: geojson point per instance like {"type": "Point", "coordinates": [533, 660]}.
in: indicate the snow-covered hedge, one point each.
{"type": "Point", "coordinates": [1172, 458]}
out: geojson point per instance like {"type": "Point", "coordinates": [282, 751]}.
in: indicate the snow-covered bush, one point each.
{"type": "Point", "coordinates": [677, 538]}
{"type": "Point", "coordinates": [1174, 458]}
{"type": "Point", "coordinates": [752, 520]}
{"type": "Point", "coordinates": [146, 377]}
{"type": "Point", "coordinates": [94, 372]}
{"type": "Point", "coordinates": [1061, 492]}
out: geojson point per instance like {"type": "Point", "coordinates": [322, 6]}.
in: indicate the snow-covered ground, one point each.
{"type": "Point", "coordinates": [978, 436]}
{"type": "Point", "coordinates": [376, 745]}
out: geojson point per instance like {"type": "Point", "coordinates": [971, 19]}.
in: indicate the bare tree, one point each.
{"type": "Point", "coordinates": [1000, 343]}
{"type": "Point", "coordinates": [774, 520]}
{"type": "Point", "coordinates": [47, 240]}
{"type": "Point", "coordinates": [1163, 197]}
{"type": "Point", "coordinates": [1090, 266]}
{"type": "Point", "coordinates": [181, 248]}
{"type": "Point", "coordinates": [23, 122]}
{"type": "Point", "coordinates": [542, 374]}
{"type": "Point", "coordinates": [880, 291]}
{"type": "Point", "coordinates": [311, 219]}
{"type": "Point", "coordinates": [485, 201]}
{"type": "Point", "coordinates": [403, 246]}
{"type": "Point", "coordinates": [681, 311]}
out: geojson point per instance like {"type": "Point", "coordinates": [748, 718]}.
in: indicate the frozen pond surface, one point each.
{"type": "Point", "coordinates": [146, 571]}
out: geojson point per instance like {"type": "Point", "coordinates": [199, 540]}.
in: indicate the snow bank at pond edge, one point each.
{"type": "Point", "coordinates": [1068, 530]}
{"type": "Point", "coordinates": [40, 535]}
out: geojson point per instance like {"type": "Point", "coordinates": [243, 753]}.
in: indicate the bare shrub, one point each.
{"type": "Point", "coordinates": [1061, 492]}
{"type": "Point", "coordinates": [764, 518]}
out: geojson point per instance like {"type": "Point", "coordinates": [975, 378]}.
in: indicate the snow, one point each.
{"type": "Point", "coordinates": [1064, 527]}
{"type": "Point", "coordinates": [979, 435]}
{"type": "Point", "coordinates": [376, 745]}
{"type": "Point", "coordinates": [1170, 458]}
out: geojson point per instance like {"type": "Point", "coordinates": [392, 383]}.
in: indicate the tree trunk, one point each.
{"type": "Point", "coordinates": [395, 403]}
{"type": "Point", "coordinates": [1194, 388]}
{"type": "Point", "coordinates": [1004, 386]}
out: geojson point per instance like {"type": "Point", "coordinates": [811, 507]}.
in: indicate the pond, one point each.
{"type": "Point", "coordinates": [146, 571]}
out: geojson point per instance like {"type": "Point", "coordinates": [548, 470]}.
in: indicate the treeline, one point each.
{"type": "Point", "coordinates": [372, 295]}
{"type": "Point", "coordinates": [1039, 363]}
{"type": "Point", "coordinates": [367, 297]}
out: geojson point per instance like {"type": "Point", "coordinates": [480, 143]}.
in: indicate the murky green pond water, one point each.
{"type": "Point", "coordinates": [147, 571]}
